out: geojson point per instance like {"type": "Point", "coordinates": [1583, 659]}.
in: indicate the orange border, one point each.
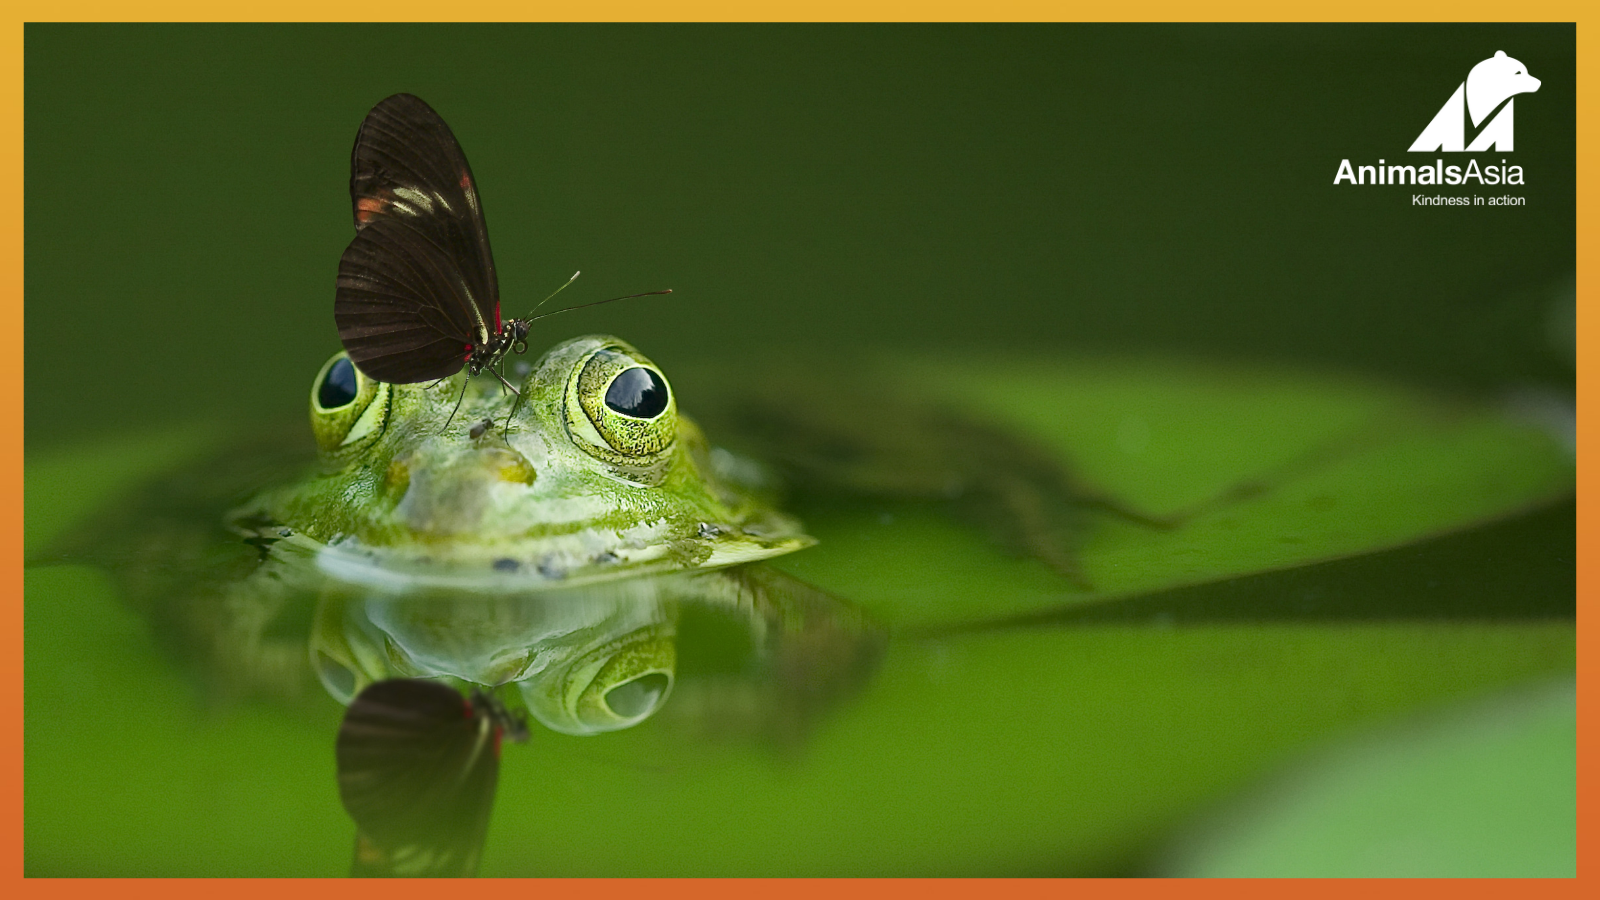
{"type": "Point", "coordinates": [12, 372]}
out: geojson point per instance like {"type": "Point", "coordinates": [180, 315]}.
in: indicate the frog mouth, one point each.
{"type": "Point", "coordinates": [548, 562]}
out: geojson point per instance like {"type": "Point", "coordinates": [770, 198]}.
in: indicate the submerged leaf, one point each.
{"type": "Point", "coordinates": [1256, 470]}
{"type": "Point", "coordinates": [1483, 791]}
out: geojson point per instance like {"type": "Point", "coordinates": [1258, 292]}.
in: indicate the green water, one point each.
{"type": "Point", "coordinates": [1028, 193]}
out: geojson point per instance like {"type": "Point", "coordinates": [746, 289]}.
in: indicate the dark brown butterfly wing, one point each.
{"type": "Point", "coordinates": [396, 293]}
{"type": "Point", "coordinates": [417, 767]}
{"type": "Point", "coordinates": [419, 277]}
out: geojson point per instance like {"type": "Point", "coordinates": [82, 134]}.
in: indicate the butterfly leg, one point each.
{"type": "Point", "coordinates": [457, 408]}
{"type": "Point", "coordinates": [508, 384]}
{"type": "Point", "coordinates": [514, 405]}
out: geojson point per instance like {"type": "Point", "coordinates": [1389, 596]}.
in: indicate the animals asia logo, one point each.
{"type": "Point", "coordinates": [1486, 99]}
{"type": "Point", "coordinates": [1496, 80]}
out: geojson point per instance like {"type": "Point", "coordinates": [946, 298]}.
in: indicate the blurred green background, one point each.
{"type": "Point", "coordinates": [1042, 192]}
{"type": "Point", "coordinates": [1052, 188]}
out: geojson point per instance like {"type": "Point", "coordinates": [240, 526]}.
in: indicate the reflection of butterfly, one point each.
{"type": "Point", "coordinates": [417, 297]}
{"type": "Point", "coordinates": [417, 770]}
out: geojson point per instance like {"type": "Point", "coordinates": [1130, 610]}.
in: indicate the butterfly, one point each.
{"type": "Point", "coordinates": [417, 765]}
{"type": "Point", "coordinates": [417, 298]}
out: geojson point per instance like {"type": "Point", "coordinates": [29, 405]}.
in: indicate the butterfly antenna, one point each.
{"type": "Point", "coordinates": [596, 303]}
{"type": "Point", "coordinates": [555, 292]}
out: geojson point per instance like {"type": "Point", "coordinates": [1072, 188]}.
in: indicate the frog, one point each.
{"type": "Point", "coordinates": [592, 475]}
{"type": "Point", "coordinates": [545, 543]}
{"type": "Point", "coordinates": [548, 549]}
{"type": "Point", "coordinates": [546, 537]}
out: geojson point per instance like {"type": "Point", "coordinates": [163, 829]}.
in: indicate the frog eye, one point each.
{"type": "Point", "coordinates": [638, 393]}
{"type": "Point", "coordinates": [338, 386]}
{"type": "Point", "coordinates": [626, 406]}
{"type": "Point", "coordinates": [348, 409]}
{"type": "Point", "coordinates": [615, 686]}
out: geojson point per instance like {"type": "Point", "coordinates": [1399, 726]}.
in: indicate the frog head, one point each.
{"type": "Point", "coordinates": [589, 473]}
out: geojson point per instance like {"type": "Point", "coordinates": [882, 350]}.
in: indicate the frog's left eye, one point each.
{"type": "Point", "coordinates": [625, 411]}
{"type": "Point", "coordinates": [348, 409]}
{"type": "Point", "coordinates": [338, 384]}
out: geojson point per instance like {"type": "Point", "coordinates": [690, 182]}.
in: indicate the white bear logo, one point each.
{"type": "Point", "coordinates": [1494, 81]}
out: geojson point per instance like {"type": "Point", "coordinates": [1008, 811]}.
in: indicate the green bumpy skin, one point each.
{"type": "Point", "coordinates": [554, 486]}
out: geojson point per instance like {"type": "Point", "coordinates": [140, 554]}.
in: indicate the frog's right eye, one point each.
{"type": "Point", "coordinates": [620, 409]}
{"type": "Point", "coordinates": [617, 685]}
{"type": "Point", "coordinates": [348, 409]}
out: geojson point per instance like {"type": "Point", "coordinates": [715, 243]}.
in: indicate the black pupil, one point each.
{"type": "Point", "coordinates": [339, 387]}
{"type": "Point", "coordinates": [637, 392]}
